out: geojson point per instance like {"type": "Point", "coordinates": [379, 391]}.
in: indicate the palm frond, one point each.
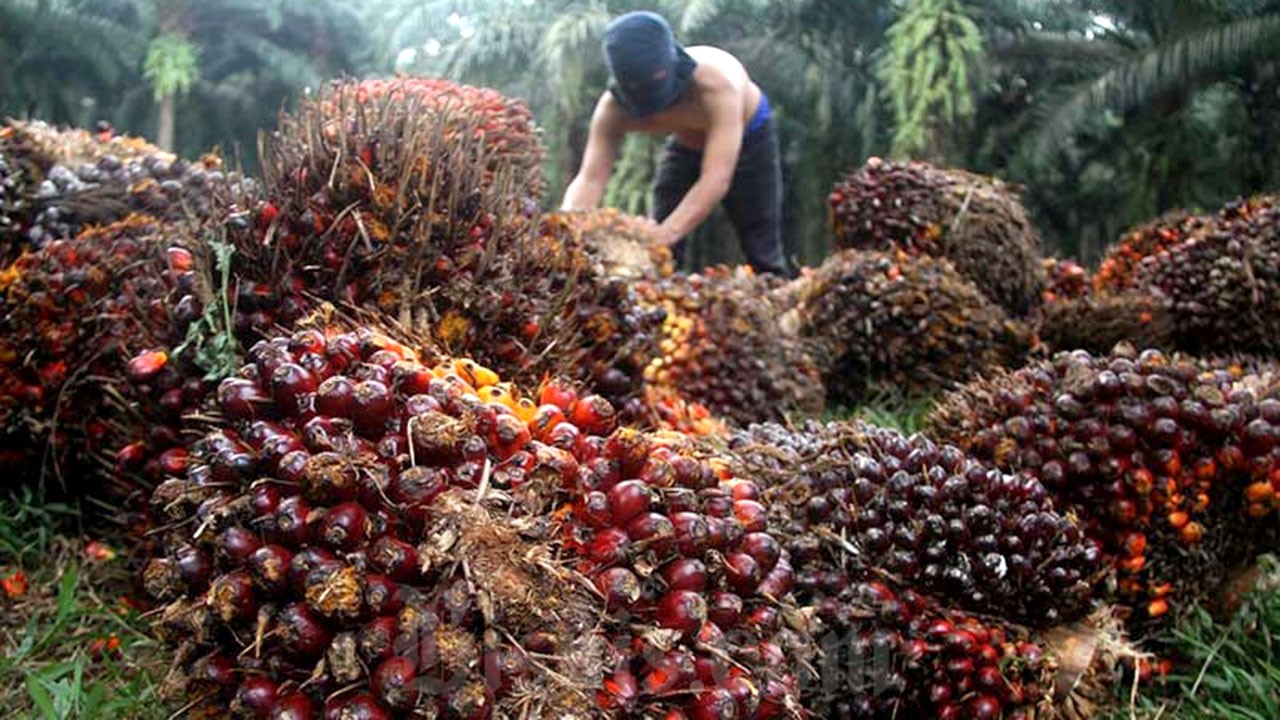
{"type": "Point", "coordinates": [1187, 62]}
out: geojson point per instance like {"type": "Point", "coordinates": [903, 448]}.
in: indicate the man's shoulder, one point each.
{"type": "Point", "coordinates": [715, 66]}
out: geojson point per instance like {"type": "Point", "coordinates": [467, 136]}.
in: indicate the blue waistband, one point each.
{"type": "Point", "coordinates": [763, 113]}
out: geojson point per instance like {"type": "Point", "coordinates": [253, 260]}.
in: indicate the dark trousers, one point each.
{"type": "Point", "coordinates": [753, 203]}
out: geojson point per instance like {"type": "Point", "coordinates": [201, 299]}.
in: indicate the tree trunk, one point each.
{"type": "Point", "coordinates": [165, 121]}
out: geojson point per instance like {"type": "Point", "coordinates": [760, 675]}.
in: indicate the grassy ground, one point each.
{"type": "Point", "coordinates": [70, 644]}
{"type": "Point", "coordinates": [72, 647]}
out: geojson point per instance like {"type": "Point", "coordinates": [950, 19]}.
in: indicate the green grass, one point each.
{"type": "Point", "coordinates": [48, 665]}
{"type": "Point", "coordinates": [890, 410]}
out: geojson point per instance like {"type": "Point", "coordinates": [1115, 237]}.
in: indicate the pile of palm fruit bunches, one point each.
{"type": "Point", "coordinates": [391, 443]}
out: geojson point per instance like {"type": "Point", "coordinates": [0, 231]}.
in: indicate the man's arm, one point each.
{"type": "Point", "coordinates": [719, 159]}
{"type": "Point", "coordinates": [603, 138]}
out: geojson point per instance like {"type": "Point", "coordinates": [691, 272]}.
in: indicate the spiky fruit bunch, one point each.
{"type": "Point", "coordinates": [877, 319]}
{"type": "Point", "coordinates": [977, 222]}
{"type": "Point", "coordinates": [75, 180]}
{"type": "Point", "coordinates": [1172, 464]}
{"type": "Point", "coordinates": [873, 502]}
{"type": "Point", "coordinates": [1118, 271]}
{"type": "Point", "coordinates": [1098, 322]}
{"type": "Point", "coordinates": [1224, 282]}
{"type": "Point", "coordinates": [89, 383]}
{"type": "Point", "coordinates": [625, 245]}
{"type": "Point", "coordinates": [414, 198]}
{"type": "Point", "coordinates": [381, 538]}
{"type": "Point", "coordinates": [1066, 280]}
{"type": "Point", "coordinates": [889, 651]}
{"type": "Point", "coordinates": [723, 347]}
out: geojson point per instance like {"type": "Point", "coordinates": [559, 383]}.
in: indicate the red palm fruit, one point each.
{"type": "Point", "coordinates": [232, 599]}
{"type": "Point", "coordinates": [715, 704]}
{"type": "Point", "coordinates": [289, 383]}
{"type": "Point", "coordinates": [334, 397]}
{"type": "Point", "coordinates": [652, 532]}
{"type": "Point", "coordinates": [691, 533]}
{"type": "Point", "coordinates": [628, 499]}
{"type": "Point", "coordinates": [751, 515]}
{"type": "Point", "coordinates": [360, 706]}
{"type": "Point", "coordinates": [255, 698]}
{"type": "Point", "coordinates": [144, 366]}
{"type": "Point", "coordinates": [620, 588]}
{"type": "Point", "coordinates": [294, 706]}
{"type": "Point", "coordinates": [269, 566]}
{"type": "Point", "coordinates": [240, 399]}
{"type": "Point", "coordinates": [376, 641]}
{"type": "Point", "coordinates": [558, 394]}
{"type": "Point", "coordinates": [301, 633]}
{"type": "Point", "coordinates": [725, 609]}
{"type": "Point", "coordinates": [594, 414]}
{"type": "Point", "coordinates": [344, 526]}
{"type": "Point", "coordinates": [743, 572]}
{"type": "Point", "coordinates": [682, 610]}
{"type": "Point", "coordinates": [609, 547]}
{"type": "Point", "coordinates": [669, 674]}
{"type": "Point", "coordinates": [685, 574]}
{"type": "Point", "coordinates": [236, 545]}
{"type": "Point", "coordinates": [618, 693]}
{"type": "Point", "coordinates": [371, 405]}
{"type": "Point", "coordinates": [394, 683]}
{"type": "Point", "coordinates": [763, 547]}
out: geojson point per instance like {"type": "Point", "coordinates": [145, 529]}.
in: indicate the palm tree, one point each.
{"type": "Point", "coordinates": [231, 60]}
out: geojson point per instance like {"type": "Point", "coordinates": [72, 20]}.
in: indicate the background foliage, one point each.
{"type": "Point", "coordinates": [1107, 112]}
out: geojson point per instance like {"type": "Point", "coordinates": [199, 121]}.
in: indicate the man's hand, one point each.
{"type": "Point", "coordinates": [663, 236]}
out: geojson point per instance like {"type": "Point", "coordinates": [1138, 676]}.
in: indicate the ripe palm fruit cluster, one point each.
{"type": "Point", "coordinates": [1171, 463]}
{"type": "Point", "coordinates": [872, 501]}
{"type": "Point", "coordinates": [874, 319]}
{"type": "Point", "coordinates": [624, 245]}
{"type": "Point", "coordinates": [1098, 322]}
{"type": "Point", "coordinates": [1065, 280]}
{"type": "Point", "coordinates": [360, 535]}
{"type": "Point", "coordinates": [414, 198]}
{"type": "Point", "coordinates": [899, 546]}
{"type": "Point", "coordinates": [89, 383]}
{"type": "Point", "coordinates": [722, 347]}
{"type": "Point", "coordinates": [976, 222]}
{"type": "Point", "coordinates": [1223, 283]}
{"type": "Point", "coordinates": [1119, 269]}
{"type": "Point", "coordinates": [74, 179]}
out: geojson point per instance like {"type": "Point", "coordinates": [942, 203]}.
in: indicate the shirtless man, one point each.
{"type": "Point", "coordinates": [723, 144]}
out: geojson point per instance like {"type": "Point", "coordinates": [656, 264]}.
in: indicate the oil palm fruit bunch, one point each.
{"type": "Point", "coordinates": [94, 377]}
{"type": "Point", "coordinates": [362, 535]}
{"type": "Point", "coordinates": [624, 245]}
{"type": "Point", "coordinates": [415, 198]}
{"type": "Point", "coordinates": [722, 347]}
{"type": "Point", "coordinates": [874, 319]}
{"type": "Point", "coordinates": [1171, 463]}
{"type": "Point", "coordinates": [977, 222]}
{"type": "Point", "coordinates": [75, 179]}
{"type": "Point", "coordinates": [1224, 282]}
{"type": "Point", "coordinates": [1065, 280]}
{"type": "Point", "coordinates": [912, 558]}
{"type": "Point", "coordinates": [872, 502]}
{"type": "Point", "coordinates": [1098, 322]}
{"type": "Point", "coordinates": [1118, 271]}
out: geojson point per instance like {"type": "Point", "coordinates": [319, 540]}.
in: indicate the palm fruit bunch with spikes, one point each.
{"type": "Point", "coordinates": [624, 245]}
{"type": "Point", "coordinates": [414, 198]}
{"type": "Point", "coordinates": [357, 534]}
{"type": "Point", "coordinates": [1171, 463]}
{"type": "Point", "coordinates": [1119, 269]}
{"type": "Point", "coordinates": [877, 503]}
{"type": "Point", "coordinates": [1098, 322]}
{"type": "Point", "coordinates": [874, 319]}
{"type": "Point", "coordinates": [722, 347]}
{"type": "Point", "coordinates": [75, 180]}
{"type": "Point", "coordinates": [667, 410]}
{"type": "Point", "coordinates": [1065, 280]}
{"type": "Point", "coordinates": [1223, 283]}
{"type": "Point", "coordinates": [913, 559]}
{"type": "Point", "coordinates": [976, 222]}
{"type": "Point", "coordinates": [94, 377]}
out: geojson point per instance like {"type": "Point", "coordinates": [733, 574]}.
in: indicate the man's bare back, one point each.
{"type": "Point", "coordinates": [688, 119]}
